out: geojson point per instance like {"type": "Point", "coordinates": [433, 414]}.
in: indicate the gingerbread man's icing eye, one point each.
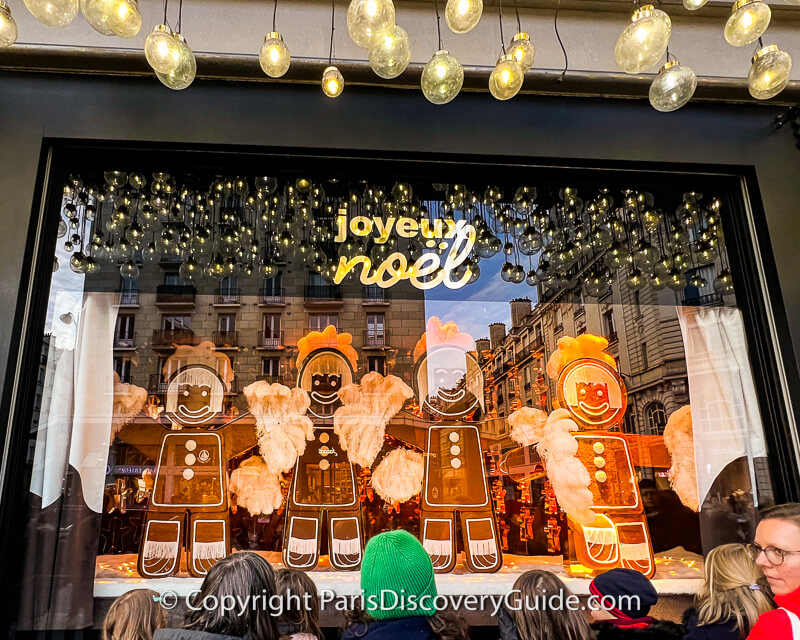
{"type": "Point", "coordinates": [205, 394]}
{"type": "Point", "coordinates": [599, 394]}
{"type": "Point", "coordinates": [316, 383]}
{"type": "Point", "coordinates": [185, 393]}
{"type": "Point", "coordinates": [583, 392]}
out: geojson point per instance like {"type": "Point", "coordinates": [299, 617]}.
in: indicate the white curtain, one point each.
{"type": "Point", "coordinates": [725, 417]}
{"type": "Point", "coordinates": [77, 405]}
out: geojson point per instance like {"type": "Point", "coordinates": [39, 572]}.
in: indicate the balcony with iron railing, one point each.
{"type": "Point", "coordinates": [271, 297]}
{"type": "Point", "coordinates": [167, 338]}
{"type": "Point", "coordinates": [157, 384]}
{"type": "Point", "coordinates": [323, 294]}
{"type": "Point", "coordinates": [225, 339]}
{"type": "Point", "coordinates": [278, 379]}
{"type": "Point", "coordinates": [124, 342]}
{"type": "Point", "coordinates": [129, 298]}
{"type": "Point", "coordinates": [270, 340]}
{"type": "Point", "coordinates": [373, 295]}
{"type": "Point", "coordinates": [376, 338]}
{"type": "Point", "coordinates": [227, 297]}
{"type": "Point", "coordinates": [707, 300]}
{"type": "Point", "coordinates": [175, 295]}
{"type": "Point", "coordinates": [559, 328]}
{"type": "Point", "coordinates": [612, 337]}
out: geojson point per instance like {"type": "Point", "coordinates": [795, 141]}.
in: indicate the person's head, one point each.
{"type": "Point", "coordinates": [649, 493]}
{"type": "Point", "coordinates": [237, 578]}
{"type": "Point", "coordinates": [135, 615]}
{"type": "Point", "coordinates": [300, 612]}
{"type": "Point", "coordinates": [731, 590]}
{"type": "Point", "coordinates": [777, 547]}
{"type": "Point", "coordinates": [622, 594]}
{"type": "Point", "coordinates": [395, 569]}
{"type": "Point", "coordinates": [540, 609]}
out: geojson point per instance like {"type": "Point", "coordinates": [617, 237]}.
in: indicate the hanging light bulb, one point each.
{"type": "Point", "coordinates": [183, 75]}
{"type": "Point", "coordinates": [8, 27]}
{"type": "Point", "coordinates": [673, 87]}
{"type": "Point", "coordinates": [332, 82]}
{"type": "Point", "coordinates": [162, 50]}
{"type": "Point", "coordinates": [274, 55]}
{"type": "Point", "coordinates": [643, 42]}
{"type": "Point", "coordinates": [463, 15]}
{"type": "Point", "coordinates": [521, 49]}
{"type": "Point", "coordinates": [442, 78]}
{"type": "Point", "coordinates": [53, 13]}
{"type": "Point", "coordinates": [113, 17]}
{"type": "Point", "coordinates": [694, 5]}
{"type": "Point", "coordinates": [506, 79]}
{"type": "Point", "coordinates": [748, 21]}
{"type": "Point", "coordinates": [390, 52]}
{"type": "Point", "coordinates": [769, 72]}
{"type": "Point", "coordinates": [366, 17]}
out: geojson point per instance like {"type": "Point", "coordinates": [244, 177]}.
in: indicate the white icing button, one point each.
{"type": "Point", "coordinates": [324, 464]}
{"type": "Point", "coordinates": [598, 447]}
{"type": "Point", "coordinates": [188, 474]}
{"type": "Point", "coordinates": [600, 476]}
{"type": "Point", "coordinates": [599, 462]}
{"type": "Point", "coordinates": [455, 463]}
{"type": "Point", "coordinates": [454, 436]}
{"type": "Point", "coordinates": [455, 450]}
{"type": "Point", "coordinates": [190, 459]}
{"type": "Point", "coordinates": [191, 445]}
{"type": "Point", "coordinates": [324, 437]}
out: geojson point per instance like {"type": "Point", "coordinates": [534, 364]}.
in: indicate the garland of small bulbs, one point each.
{"type": "Point", "coordinates": [371, 25]}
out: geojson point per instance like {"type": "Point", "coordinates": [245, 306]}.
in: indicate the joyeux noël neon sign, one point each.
{"type": "Point", "coordinates": [395, 266]}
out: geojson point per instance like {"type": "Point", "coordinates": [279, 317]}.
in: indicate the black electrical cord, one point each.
{"type": "Point", "coordinates": [516, 11]}
{"type": "Point", "coordinates": [333, 28]}
{"type": "Point", "coordinates": [274, 14]}
{"type": "Point", "coordinates": [438, 23]}
{"type": "Point", "coordinates": [560, 42]}
{"type": "Point", "coordinates": [500, 15]}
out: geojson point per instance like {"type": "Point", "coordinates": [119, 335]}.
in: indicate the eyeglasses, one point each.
{"type": "Point", "coordinates": [775, 555]}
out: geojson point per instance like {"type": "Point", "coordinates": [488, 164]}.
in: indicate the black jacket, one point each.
{"type": "Point", "coordinates": [414, 628]}
{"type": "Point", "coordinates": [190, 634]}
{"type": "Point", "coordinates": [716, 631]}
{"type": "Point", "coordinates": [656, 630]}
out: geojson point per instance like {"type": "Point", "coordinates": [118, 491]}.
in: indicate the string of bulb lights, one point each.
{"type": "Point", "coordinates": [641, 46]}
{"type": "Point", "coordinates": [249, 226]}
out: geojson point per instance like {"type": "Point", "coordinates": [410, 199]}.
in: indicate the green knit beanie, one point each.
{"type": "Point", "coordinates": [397, 577]}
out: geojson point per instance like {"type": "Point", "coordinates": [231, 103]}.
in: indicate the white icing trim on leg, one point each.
{"type": "Point", "coordinates": [207, 550]}
{"type": "Point", "coordinates": [154, 549]}
{"type": "Point", "coordinates": [347, 546]}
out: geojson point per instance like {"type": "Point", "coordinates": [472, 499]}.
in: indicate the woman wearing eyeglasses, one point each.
{"type": "Point", "coordinates": [777, 552]}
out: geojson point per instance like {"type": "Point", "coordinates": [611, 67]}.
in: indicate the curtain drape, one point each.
{"type": "Point", "coordinates": [725, 416]}
{"type": "Point", "coordinates": [69, 471]}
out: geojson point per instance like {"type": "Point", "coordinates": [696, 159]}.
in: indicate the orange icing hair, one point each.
{"type": "Point", "coordinates": [327, 338]}
{"type": "Point", "coordinates": [437, 333]}
{"type": "Point", "coordinates": [586, 345]}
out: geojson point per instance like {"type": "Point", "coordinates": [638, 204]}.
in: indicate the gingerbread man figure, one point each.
{"type": "Point", "coordinates": [594, 482]}
{"type": "Point", "coordinates": [449, 385]}
{"type": "Point", "coordinates": [191, 444]}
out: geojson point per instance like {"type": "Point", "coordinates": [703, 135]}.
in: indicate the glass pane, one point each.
{"type": "Point", "coordinates": [564, 367]}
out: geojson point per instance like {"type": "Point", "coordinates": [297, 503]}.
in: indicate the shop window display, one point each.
{"type": "Point", "coordinates": [519, 375]}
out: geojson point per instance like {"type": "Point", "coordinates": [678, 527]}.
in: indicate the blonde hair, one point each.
{"type": "Point", "coordinates": [535, 622]}
{"type": "Point", "coordinates": [734, 589]}
{"type": "Point", "coordinates": [135, 615]}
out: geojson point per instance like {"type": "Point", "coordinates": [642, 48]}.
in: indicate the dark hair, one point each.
{"type": "Point", "coordinates": [241, 575]}
{"type": "Point", "coordinates": [789, 512]}
{"type": "Point", "coordinates": [300, 613]}
{"type": "Point", "coordinates": [135, 615]}
{"type": "Point", "coordinates": [544, 623]}
{"type": "Point", "coordinates": [445, 624]}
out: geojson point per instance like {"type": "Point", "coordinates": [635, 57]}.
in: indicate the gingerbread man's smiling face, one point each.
{"type": "Point", "coordinates": [194, 396]}
{"type": "Point", "coordinates": [593, 393]}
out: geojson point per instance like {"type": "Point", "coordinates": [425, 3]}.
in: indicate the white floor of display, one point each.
{"type": "Point", "coordinates": [678, 572]}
